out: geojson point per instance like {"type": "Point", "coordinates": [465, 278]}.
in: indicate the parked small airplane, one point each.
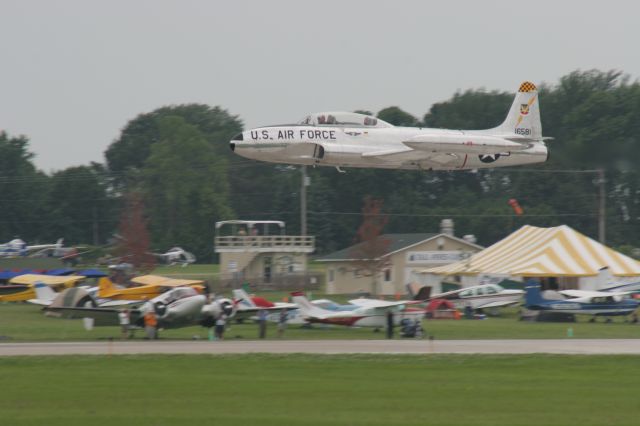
{"type": "Point", "coordinates": [486, 296]}
{"type": "Point", "coordinates": [45, 296]}
{"type": "Point", "coordinates": [17, 247]}
{"type": "Point", "coordinates": [144, 287]}
{"type": "Point", "coordinates": [180, 307]}
{"type": "Point", "coordinates": [22, 287]}
{"type": "Point", "coordinates": [177, 256]}
{"type": "Point", "coordinates": [247, 306]}
{"type": "Point", "coordinates": [295, 316]}
{"type": "Point", "coordinates": [362, 316]}
{"type": "Point", "coordinates": [344, 139]}
{"type": "Point", "coordinates": [595, 303]}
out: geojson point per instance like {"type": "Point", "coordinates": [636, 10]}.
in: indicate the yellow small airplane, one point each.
{"type": "Point", "coordinates": [145, 287]}
{"type": "Point", "coordinates": [22, 287]}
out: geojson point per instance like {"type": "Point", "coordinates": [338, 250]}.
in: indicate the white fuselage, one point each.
{"type": "Point", "coordinates": [386, 147]}
{"type": "Point", "coordinates": [477, 302]}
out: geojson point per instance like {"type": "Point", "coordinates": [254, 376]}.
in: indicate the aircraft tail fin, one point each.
{"type": "Point", "coordinates": [74, 297]}
{"type": "Point", "coordinates": [524, 115]}
{"type": "Point", "coordinates": [241, 296]}
{"type": "Point", "coordinates": [44, 292]}
{"type": "Point", "coordinates": [105, 287]}
{"type": "Point", "coordinates": [307, 308]}
{"type": "Point", "coordinates": [423, 294]}
{"type": "Point", "coordinates": [532, 296]}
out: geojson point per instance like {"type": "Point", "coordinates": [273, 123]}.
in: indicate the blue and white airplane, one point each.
{"type": "Point", "coordinates": [594, 303]}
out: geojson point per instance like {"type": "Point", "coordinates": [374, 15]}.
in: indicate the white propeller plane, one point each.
{"type": "Point", "coordinates": [485, 296]}
{"type": "Point", "coordinates": [370, 313]}
{"type": "Point", "coordinates": [345, 139]}
{"type": "Point", "coordinates": [180, 307]}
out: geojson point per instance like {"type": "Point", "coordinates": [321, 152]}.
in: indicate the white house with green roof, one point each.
{"type": "Point", "coordinates": [405, 255]}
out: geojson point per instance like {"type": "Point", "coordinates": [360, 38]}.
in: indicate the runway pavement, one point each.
{"type": "Point", "coordinates": [560, 346]}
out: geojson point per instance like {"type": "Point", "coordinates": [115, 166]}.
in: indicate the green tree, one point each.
{"type": "Point", "coordinates": [128, 153]}
{"type": "Point", "coordinates": [398, 117]}
{"type": "Point", "coordinates": [186, 190]}
{"type": "Point", "coordinates": [23, 191]}
{"type": "Point", "coordinates": [79, 205]}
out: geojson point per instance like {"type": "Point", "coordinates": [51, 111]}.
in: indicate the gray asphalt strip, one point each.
{"type": "Point", "coordinates": [565, 346]}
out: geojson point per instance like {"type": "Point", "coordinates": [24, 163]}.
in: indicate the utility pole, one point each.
{"type": "Point", "coordinates": [303, 200]}
{"type": "Point", "coordinates": [94, 214]}
{"type": "Point", "coordinates": [602, 199]}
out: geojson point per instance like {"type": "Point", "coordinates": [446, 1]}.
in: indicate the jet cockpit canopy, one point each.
{"type": "Point", "coordinates": [347, 119]}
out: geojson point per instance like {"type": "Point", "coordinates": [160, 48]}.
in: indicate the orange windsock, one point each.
{"type": "Point", "coordinates": [516, 207]}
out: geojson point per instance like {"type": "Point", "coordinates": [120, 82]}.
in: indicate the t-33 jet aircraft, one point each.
{"type": "Point", "coordinates": [345, 139]}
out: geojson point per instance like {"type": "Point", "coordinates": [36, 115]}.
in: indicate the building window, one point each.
{"type": "Point", "coordinates": [387, 274]}
{"type": "Point", "coordinates": [331, 275]}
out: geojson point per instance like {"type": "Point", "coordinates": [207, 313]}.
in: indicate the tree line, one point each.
{"type": "Point", "coordinates": [178, 159]}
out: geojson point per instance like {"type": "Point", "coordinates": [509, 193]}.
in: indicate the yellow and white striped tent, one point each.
{"type": "Point", "coordinates": [544, 252]}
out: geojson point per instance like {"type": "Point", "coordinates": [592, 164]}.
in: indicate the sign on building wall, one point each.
{"type": "Point", "coordinates": [433, 256]}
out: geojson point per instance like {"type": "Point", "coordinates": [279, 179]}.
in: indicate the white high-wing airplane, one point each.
{"type": "Point", "coordinates": [345, 139]}
{"type": "Point", "coordinates": [373, 315]}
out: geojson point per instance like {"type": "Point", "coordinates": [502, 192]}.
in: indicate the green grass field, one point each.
{"type": "Point", "coordinates": [24, 322]}
{"type": "Point", "coordinates": [320, 390]}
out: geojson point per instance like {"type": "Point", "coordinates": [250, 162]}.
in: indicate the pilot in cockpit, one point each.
{"type": "Point", "coordinates": [331, 119]}
{"type": "Point", "coordinates": [369, 121]}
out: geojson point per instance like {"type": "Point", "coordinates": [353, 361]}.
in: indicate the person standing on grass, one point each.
{"type": "Point", "coordinates": [389, 324]}
{"type": "Point", "coordinates": [282, 322]}
{"type": "Point", "coordinates": [262, 323]}
{"type": "Point", "coordinates": [150, 324]}
{"type": "Point", "coordinates": [125, 321]}
{"type": "Point", "coordinates": [221, 322]}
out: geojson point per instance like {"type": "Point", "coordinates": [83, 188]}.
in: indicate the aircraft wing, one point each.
{"type": "Point", "coordinates": [111, 303]}
{"type": "Point", "coordinates": [338, 317]}
{"type": "Point", "coordinates": [40, 302]}
{"type": "Point", "coordinates": [374, 303]}
{"type": "Point", "coordinates": [51, 280]}
{"type": "Point", "coordinates": [165, 281]}
{"type": "Point", "coordinates": [406, 153]}
{"type": "Point", "coordinates": [101, 316]}
{"type": "Point", "coordinates": [247, 311]}
{"type": "Point", "coordinates": [498, 304]}
{"type": "Point", "coordinates": [388, 152]}
{"type": "Point", "coordinates": [574, 294]}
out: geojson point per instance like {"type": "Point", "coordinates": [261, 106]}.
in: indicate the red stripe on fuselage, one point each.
{"type": "Point", "coordinates": [348, 321]}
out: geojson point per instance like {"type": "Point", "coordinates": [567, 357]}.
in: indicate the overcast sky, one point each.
{"type": "Point", "coordinates": [74, 72]}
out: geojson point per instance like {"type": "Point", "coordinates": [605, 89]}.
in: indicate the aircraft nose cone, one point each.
{"type": "Point", "coordinates": [237, 137]}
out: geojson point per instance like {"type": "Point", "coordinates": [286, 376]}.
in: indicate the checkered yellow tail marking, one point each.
{"type": "Point", "coordinates": [526, 87]}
